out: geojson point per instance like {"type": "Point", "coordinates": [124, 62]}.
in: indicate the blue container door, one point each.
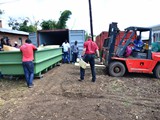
{"type": "Point", "coordinates": [79, 36]}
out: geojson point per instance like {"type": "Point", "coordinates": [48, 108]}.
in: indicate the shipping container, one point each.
{"type": "Point", "coordinates": [57, 37]}
{"type": "Point", "coordinates": [100, 39]}
{"type": "Point", "coordinates": [103, 35]}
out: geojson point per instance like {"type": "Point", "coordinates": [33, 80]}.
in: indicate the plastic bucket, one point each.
{"type": "Point", "coordinates": [82, 63]}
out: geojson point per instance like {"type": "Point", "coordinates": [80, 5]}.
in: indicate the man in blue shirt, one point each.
{"type": "Point", "coordinates": [75, 51]}
{"type": "Point", "coordinates": [138, 44]}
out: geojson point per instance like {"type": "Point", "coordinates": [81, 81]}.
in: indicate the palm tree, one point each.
{"type": "Point", "coordinates": [60, 24]}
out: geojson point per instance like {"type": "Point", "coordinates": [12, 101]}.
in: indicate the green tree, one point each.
{"type": "Point", "coordinates": [22, 24]}
{"type": "Point", "coordinates": [60, 24]}
{"type": "Point", "coordinates": [13, 23]}
{"type": "Point", "coordinates": [28, 28]}
{"type": "Point", "coordinates": [25, 24]}
{"type": "Point", "coordinates": [48, 25]}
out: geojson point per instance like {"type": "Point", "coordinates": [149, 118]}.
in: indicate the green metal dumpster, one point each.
{"type": "Point", "coordinates": [11, 61]}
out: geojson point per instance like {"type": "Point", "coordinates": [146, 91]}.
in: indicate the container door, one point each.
{"type": "Point", "coordinates": [79, 36]}
{"type": "Point", "coordinates": [33, 38]}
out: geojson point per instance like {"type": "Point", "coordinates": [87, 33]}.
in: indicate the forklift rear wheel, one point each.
{"type": "Point", "coordinates": [156, 71]}
{"type": "Point", "coordinates": [117, 69]}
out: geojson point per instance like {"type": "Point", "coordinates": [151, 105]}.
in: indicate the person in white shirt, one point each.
{"type": "Point", "coordinates": [66, 52]}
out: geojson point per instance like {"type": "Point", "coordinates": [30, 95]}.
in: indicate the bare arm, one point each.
{"type": "Point", "coordinates": [97, 51]}
{"type": "Point", "coordinates": [83, 52]}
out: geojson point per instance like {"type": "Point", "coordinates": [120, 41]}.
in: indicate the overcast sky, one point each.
{"type": "Point", "coordinates": [142, 13]}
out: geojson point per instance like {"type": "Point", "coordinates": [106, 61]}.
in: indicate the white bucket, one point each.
{"type": "Point", "coordinates": [82, 63]}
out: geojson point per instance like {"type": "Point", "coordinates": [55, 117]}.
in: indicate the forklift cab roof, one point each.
{"type": "Point", "coordinates": [138, 29]}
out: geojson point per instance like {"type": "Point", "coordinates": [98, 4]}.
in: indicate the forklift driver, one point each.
{"type": "Point", "coordinates": [128, 50]}
{"type": "Point", "coordinates": [138, 44]}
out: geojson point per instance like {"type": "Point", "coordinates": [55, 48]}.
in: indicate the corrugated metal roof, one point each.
{"type": "Point", "coordinates": [158, 25]}
{"type": "Point", "coordinates": [13, 31]}
{"type": "Point", "coordinates": [155, 27]}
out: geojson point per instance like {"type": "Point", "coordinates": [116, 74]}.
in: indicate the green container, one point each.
{"type": "Point", "coordinates": [11, 61]}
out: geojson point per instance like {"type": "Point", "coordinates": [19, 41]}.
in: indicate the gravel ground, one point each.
{"type": "Point", "coordinates": [60, 96]}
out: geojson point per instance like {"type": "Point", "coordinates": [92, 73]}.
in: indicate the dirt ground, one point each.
{"type": "Point", "coordinates": [60, 96]}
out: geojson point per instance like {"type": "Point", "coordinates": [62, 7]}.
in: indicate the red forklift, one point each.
{"type": "Point", "coordinates": [144, 61]}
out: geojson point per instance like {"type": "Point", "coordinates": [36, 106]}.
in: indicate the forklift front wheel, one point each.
{"type": "Point", "coordinates": [117, 69]}
{"type": "Point", "coordinates": [156, 71]}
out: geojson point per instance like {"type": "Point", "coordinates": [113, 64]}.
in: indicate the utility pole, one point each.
{"type": "Point", "coordinates": [90, 13]}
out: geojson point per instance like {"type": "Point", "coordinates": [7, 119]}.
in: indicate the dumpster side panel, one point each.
{"type": "Point", "coordinates": [12, 69]}
{"type": "Point", "coordinates": [10, 56]}
{"type": "Point", "coordinates": [46, 58]}
{"type": "Point", "coordinates": [11, 61]}
{"type": "Point", "coordinates": [79, 36]}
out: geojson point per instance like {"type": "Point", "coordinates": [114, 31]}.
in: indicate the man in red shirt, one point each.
{"type": "Point", "coordinates": [88, 55]}
{"type": "Point", "coordinates": [27, 50]}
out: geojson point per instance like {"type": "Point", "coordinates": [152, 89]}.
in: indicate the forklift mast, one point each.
{"type": "Point", "coordinates": [109, 43]}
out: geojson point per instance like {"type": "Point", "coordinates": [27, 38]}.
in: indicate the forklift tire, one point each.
{"type": "Point", "coordinates": [117, 69]}
{"type": "Point", "coordinates": [156, 71]}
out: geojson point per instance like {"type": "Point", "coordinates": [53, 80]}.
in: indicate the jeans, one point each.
{"type": "Point", "coordinates": [1, 76]}
{"type": "Point", "coordinates": [28, 68]}
{"type": "Point", "coordinates": [74, 57]}
{"type": "Point", "coordinates": [88, 58]}
{"type": "Point", "coordinates": [66, 57]}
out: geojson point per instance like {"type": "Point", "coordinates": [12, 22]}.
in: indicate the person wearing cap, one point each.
{"type": "Point", "coordinates": [27, 50]}
{"type": "Point", "coordinates": [16, 44]}
{"type": "Point", "coordinates": [88, 55]}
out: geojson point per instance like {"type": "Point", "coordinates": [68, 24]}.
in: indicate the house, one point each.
{"type": "Point", "coordinates": [13, 35]}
